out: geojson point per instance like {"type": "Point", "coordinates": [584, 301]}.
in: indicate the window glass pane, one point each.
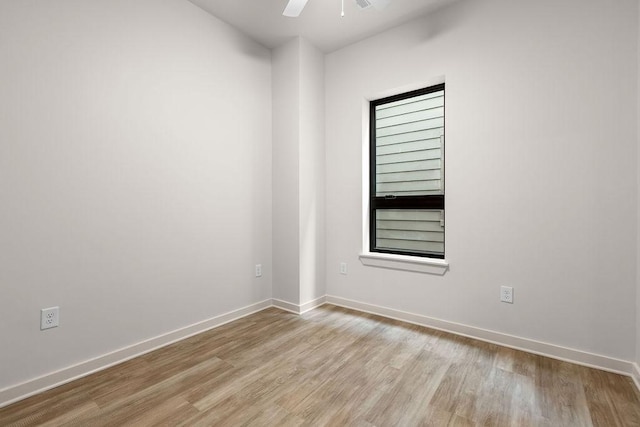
{"type": "Point", "coordinates": [410, 230]}
{"type": "Point", "coordinates": [409, 146]}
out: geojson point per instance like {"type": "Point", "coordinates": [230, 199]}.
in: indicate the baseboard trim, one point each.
{"type": "Point", "coordinates": [29, 388]}
{"type": "Point", "coordinates": [553, 351]}
{"type": "Point", "coordinates": [286, 305]}
{"type": "Point", "coordinates": [308, 306]}
{"type": "Point", "coordinates": [299, 308]}
{"type": "Point", "coordinates": [635, 375]}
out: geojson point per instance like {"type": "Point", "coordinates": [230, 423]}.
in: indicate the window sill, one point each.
{"type": "Point", "coordinates": [404, 262]}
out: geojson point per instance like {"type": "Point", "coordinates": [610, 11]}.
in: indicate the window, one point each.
{"type": "Point", "coordinates": [407, 174]}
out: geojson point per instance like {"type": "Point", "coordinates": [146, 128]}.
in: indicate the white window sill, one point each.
{"type": "Point", "coordinates": [404, 262]}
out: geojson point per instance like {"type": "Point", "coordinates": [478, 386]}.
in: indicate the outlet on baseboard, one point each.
{"type": "Point", "coordinates": [506, 294]}
{"type": "Point", "coordinates": [49, 318]}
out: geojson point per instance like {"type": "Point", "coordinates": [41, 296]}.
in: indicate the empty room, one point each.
{"type": "Point", "coordinates": [320, 212]}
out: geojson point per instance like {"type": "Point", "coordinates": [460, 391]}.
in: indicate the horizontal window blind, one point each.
{"type": "Point", "coordinates": [407, 173]}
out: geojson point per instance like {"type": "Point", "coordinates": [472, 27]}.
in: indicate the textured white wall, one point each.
{"type": "Point", "coordinates": [541, 158]}
{"type": "Point", "coordinates": [135, 175]}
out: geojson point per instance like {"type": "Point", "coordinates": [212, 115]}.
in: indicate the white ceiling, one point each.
{"type": "Point", "coordinates": [320, 21]}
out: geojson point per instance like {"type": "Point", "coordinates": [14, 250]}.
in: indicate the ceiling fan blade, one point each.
{"type": "Point", "coordinates": [294, 8]}
{"type": "Point", "coordinates": [377, 4]}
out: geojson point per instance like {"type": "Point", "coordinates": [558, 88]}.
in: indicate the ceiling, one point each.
{"type": "Point", "coordinates": [320, 21]}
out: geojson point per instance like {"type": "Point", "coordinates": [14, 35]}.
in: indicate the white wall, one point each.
{"type": "Point", "coordinates": [136, 179]}
{"type": "Point", "coordinates": [286, 167]}
{"type": "Point", "coordinates": [541, 167]}
{"type": "Point", "coordinates": [298, 172]}
{"type": "Point", "coordinates": [312, 174]}
{"type": "Point", "coordinates": [135, 175]}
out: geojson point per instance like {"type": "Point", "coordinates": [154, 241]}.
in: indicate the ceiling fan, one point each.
{"type": "Point", "coordinates": [294, 7]}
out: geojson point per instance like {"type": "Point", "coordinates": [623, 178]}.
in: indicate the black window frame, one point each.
{"type": "Point", "coordinates": [432, 201]}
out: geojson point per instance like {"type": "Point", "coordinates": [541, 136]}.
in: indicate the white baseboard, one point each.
{"type": "Point", "coordinates": [635, 375]}
{"type": "Point", "coordinates": [308, 306]}
{"type": "Point", "coordinates": [286, 306]}
{"type": "Point", "coordinates": [299, 308]}
{"type": "Point", "coordinates": [29, 388]}
{"type": "Point", "coordinates": [553, 351]}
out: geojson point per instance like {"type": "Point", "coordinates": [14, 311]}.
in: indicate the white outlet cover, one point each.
{"type": "Point", "coordinates": [506, 294]}
{"type": "Point", "coordinates": [258, 270]}
{"type": "Point", "coordinates": [49, 318]}
{"type": "Point", "coordinates": [343, 268]}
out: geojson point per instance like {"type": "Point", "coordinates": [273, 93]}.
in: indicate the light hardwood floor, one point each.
{"type": "Point", "coordinates": [334, 366]}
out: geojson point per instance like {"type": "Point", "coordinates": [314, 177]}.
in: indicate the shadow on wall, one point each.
{"type": "Point", "coordinates": [443, 17]}
{"type": "Point", "coordinates": [241, 42]}
{"type": "Point", "coordinates": [252, 48]}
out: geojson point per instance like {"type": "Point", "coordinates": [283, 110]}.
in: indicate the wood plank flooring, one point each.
{"type": "Point", "coordinates": [334, 366]}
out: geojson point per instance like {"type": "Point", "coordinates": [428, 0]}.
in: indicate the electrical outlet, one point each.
{"type": "Point", "coordinates": [258, 270]}
{"type": "Point", "coordinates": [506, 294]}
{"type": "Point", "coordinates": [343, 268]}
{"type": "Point", "coordinates": [49, 318]}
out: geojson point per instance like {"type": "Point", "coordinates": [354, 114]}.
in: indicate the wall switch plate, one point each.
{"type": "Point", "coordinates": [258, 270]}
{"type": "Point", "coordinates": [343, 268]}
{"type": "Point", "coordinates": [506, 294]}
{"type": "Point", "coordinates": [49, 318]}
